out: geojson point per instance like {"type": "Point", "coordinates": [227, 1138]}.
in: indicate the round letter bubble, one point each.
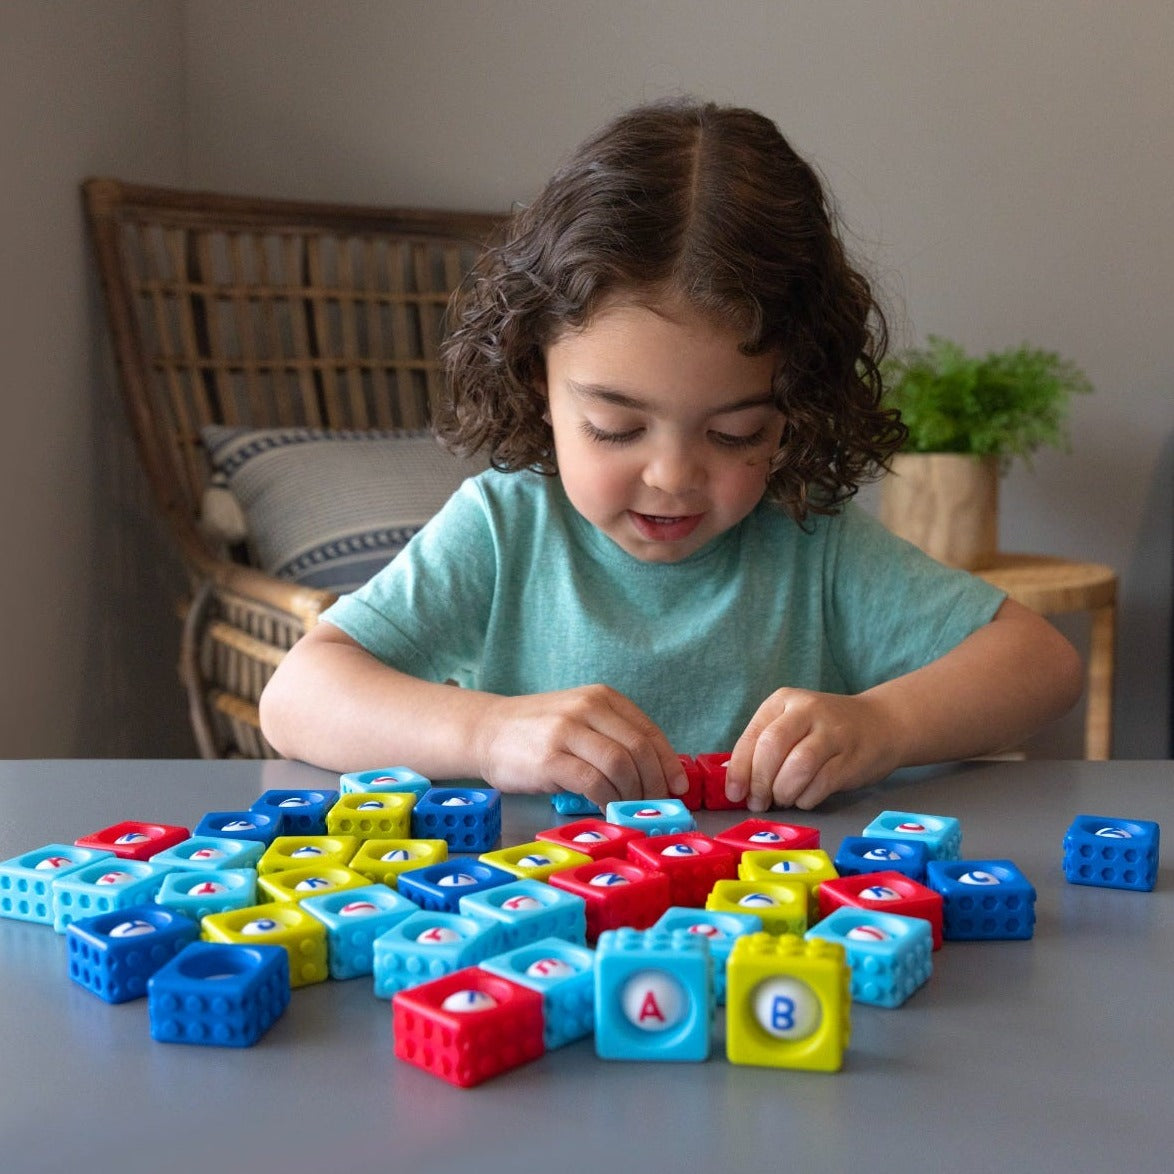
{"type": "Point", "coordinates": [588, 837]}
{"type": "Point", "coordinates": [306, 850]}
{"type": "Point", "coordinates": [207, 889]}
{"type": "Point", "coordinates": [469, 1000]}
{"type": "Point", "coordinates": [786, 1008]}
{"type": "Point", "coordinates": [979, 876]}
{"type": "Point", "coordinates": [881, 854]}
{"type": "Point", "coordinates": [765, 837]}
{"type": "Point", "coordinates": [437, 935]}
{"type": "Point", "coordinates": [52, 862]}
{"type": "Point", "coordinates": [605, 880]}
{"type": "Point", "coordinates": [358, 908]}
{"type": "Point", "coordinates": [260, 925]}
{"type": "Point", "coordinates": [534, 860]}
{"type": "Point", "coordinates": [757, 900]}
{"type": "Point", "coordinates": [550, 968]}
{"type": "Point", "coordinates": [789, 866]}
{"type": "Point", "coordinates": [866, 933]}
{"type": "Point", "coordinates": [456, 880]}
{"type": "Point", "coordinates": [880, 893]}
{"type": "Point", "coordinates": [521, 902]}
{"type": "Point", "coordinates": [653, 1000]}
{"type": "Point", "coordinates": [132, 929]}
{"type": "Point", "coordinates": [679, 850]}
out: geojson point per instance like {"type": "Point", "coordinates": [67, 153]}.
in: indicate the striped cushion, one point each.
{"type": "Point", "coordinates": [326, 508]}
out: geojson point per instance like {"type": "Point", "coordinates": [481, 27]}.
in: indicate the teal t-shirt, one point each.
{"type": "Point", "coordinates": [510, 590]}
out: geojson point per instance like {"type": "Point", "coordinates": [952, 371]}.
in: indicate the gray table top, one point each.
{"type": "Point", "coordinates": [1051, 1054]}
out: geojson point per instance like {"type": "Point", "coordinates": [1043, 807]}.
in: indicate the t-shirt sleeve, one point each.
{"type": "Point", "coordinates": [894, 609]}
{"type": "Point", "coordinates": [426, 611]}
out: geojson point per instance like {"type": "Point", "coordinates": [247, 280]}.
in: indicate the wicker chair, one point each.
{"type": "Point", "coordinates": [264, 313]}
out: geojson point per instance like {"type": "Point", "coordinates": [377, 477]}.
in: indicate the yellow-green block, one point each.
{"type": "Point", "coordinates": [295, 884]}
{"type": "Point", "coordinates": [383, 860]}
{"type": "Point", "coordinates": [811, 866]}
{"type": "Point", "coordinates": [535, 860]}
{"type": "Point", "coordinates": [782, 904]}
{"type": "Point", "coordinates": [280, 923]}
{"type": "Point", "coordinates": [372, 815]}
{"type": "Point", "coordinates": [300, 851]}
{"type": "Point", "coordinates": [788, 1002]}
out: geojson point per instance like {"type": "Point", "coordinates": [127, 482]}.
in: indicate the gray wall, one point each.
{"type": "Point", "coordinates": [1006, 169]}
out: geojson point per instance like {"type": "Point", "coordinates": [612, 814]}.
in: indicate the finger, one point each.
{"type": "Point", "coordinates": [658, 767]}
{"type": "Point", "coordinates": [825, 782]}
{"type": "Point", "coordinates": [573, 774]}
{"type": "Point", "coordinates": [774, 746]}
{"type": "Point", "coordinates": [804, 773]}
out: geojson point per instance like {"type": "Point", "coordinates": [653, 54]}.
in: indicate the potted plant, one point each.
{"type": "Point", "coordinates": [968, 418]}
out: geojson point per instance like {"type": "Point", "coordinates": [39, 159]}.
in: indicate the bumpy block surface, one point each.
{"type": "Point", "coordinates": [468, 819]}
{"type": "Point", "coordinates": [782, 904]}
{"type": "Point", "coordinates": [198, 892]}
{"type": "Point", "coordinates": [810, 866]}
{"type": "Point", "coordinates": [941, 834]}
{"type": "Point", "coordinates": [564, 975]}
{"type": "Point", "coordinates": [302, 813]}
{"type": "Point", "coordinates": [114, 954]}
{"type": "Point", "coordinates": [240, 825]}
{"type": "Point", "coordinates": [752, 835]}
{"type": "Point", "coordinates": [424, 946]}
{"type": "Point", "coordinates": [295, 884]}
{"type": "Point", "coordinates": [859, 854]}
{"type": "Point", "coordinates": [693, 863]}
{"type": "Point", "coordinates": [1112, 853]}
{"type": "Point", "coordinates": [400, 779]}
{"type": "Point", "coordinates": [616, 893]}
{"type": "Point", "coordinates": [226, 995]}
{"type": "Point", "coordinates": [371, 815]}
{"type": "Point", "coordinates": [300, 851]}
{"type": "Point", "coordinates": [26, 881]}
{"type": "Point", "coordinates": [535, 859]}
{"type": "Point", "coordinates": [441, 886]}
{"type": "Point", "coordinates": [593, 837]}
{"type": "Point", "coordinates": [568, 803]}
{"type": "Point", "coordinates": [720, 930]}
{"type": "Point", "coordinates": [132, 840]}
{"type": "Point", "coordinates": [653, 817]}
{"type": "Point", "coordinates": [468, 1026]}
{"type": "Point", "coordinates": [886, 892]}
{"type": "Point", "coordinates": [384, 860]}
{"type": "Point", "coordinates": [354, 918]}
{"type": "Point", "coordinates": [983, 899]}
{"type": "Point", "coordinates": [104, 886]}
{"type": "Point", "coordinates": [279, 923]}
{"type": "Point", "coordinates": [788, 1003]}
{"type": "Point", "coordinates": [653, 995]}
{"type": "Point", "coordinates": [527, 910]}
{"type": "Point", "coordinates": [214, 852]}
{"type": "Point", "coordinates": [890, 956]}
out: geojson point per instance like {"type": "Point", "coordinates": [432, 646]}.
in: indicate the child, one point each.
{"type": "Point", "coordinates": [672, 366]}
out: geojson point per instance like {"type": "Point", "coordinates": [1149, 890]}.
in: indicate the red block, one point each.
{"type": "Point", "coordinates": [468, 1026]}
{"type": "Point", "coordinates": [694, 797]}
{"type": "Point", "coordinates": [132, 840]}
{"type": "Point", "coordinates": [713, 782]}
{"type": "Point", "coordinates": [693, 862]}
{"type": "Point", "coordinates": [759, 835]}
{"type": "Point", "coordinates": [617, 893]}
{"type": "Point", "coordinates": [593, 837]}
{"type": "Point", "coordinates": [867, 891]}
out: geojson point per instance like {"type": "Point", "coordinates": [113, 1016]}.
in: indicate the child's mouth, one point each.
{"type": "Point", "coordinates": [661, 528]}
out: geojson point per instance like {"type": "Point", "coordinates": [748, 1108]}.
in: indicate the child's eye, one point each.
{"type": "Point", "coordinates": [727, 440]}
{"type": "Point", "coordinates": [602, 436]}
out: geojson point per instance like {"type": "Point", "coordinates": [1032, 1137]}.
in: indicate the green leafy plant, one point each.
{"type": "Point", "coordinates": [1007, 403]}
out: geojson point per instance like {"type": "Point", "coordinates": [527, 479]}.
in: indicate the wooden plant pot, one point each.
{"type": "Point", "coordinates": [945, 503]}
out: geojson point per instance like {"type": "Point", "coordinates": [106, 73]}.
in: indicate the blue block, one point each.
{"type": "Point", "coordinates": [428, 945]}
{"type": "Point", "coordinates": [392, 778]}
{"type": "Point", "coordinates": [468, 819]}
{"type": "Point", "coordinates": [718, 928]}
{"type": "Point", "coordinates": [104, 886]}
{"type": "Point", "coordinates": [441, 886]}
{"type": "Point", "coordinates": [212, 993]}
{"type": "Point", "coordinates": [240, 825]}
{"type": "Point", "coordinates": [196, 892]}
{"type": "Point", "coordinates": [568, 803]}
{"type": "Point", "coordinates": [114, 954]}
{"type": "Point", "coordinates": [653, 995]}
{"type": "Point", "coordinates": [564, 975]}
{"type": "Point", "coordinates": [890, 956]}
{"type": "Point", "coordinates": [861, 854]}
{"type": "Point", "coordinates": [527, 910]}
{"type": "Point", "coordinates": [941, 834]}
{"type": "Point", "coordinates": [1112, 853]}
{"type": "Point", "coordinates": [653, 817]}
{"type": "Point", "coordinates": [26, 881]}
{"type": "Point", "coordinates": [302, 813]}
{"type": "Point", "coordinates": [983, 900]}
{"type": "Point", "coordinates": [211, 852]}
{"type": "Point", "coordinates": [354, 918]}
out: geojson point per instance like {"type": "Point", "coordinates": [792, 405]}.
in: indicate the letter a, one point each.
{"type": "Point", "coordinates": [649, 1008]}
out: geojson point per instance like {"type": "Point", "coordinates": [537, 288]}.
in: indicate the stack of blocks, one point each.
{"type": "Point", "coordinates": [633, 928]}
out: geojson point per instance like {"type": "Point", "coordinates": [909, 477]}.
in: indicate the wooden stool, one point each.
{"type": "Point", "coordinates": [1052, 586]}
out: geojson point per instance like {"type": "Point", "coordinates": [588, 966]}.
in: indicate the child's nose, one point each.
{"type": "Point", "coordinates": [673, 469]}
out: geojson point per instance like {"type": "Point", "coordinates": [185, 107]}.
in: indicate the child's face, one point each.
{"type": "Point", "coordinates": [663, 429]}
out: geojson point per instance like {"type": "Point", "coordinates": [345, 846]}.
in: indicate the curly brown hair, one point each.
{"type": "Point", "coordinates": [699, 201]}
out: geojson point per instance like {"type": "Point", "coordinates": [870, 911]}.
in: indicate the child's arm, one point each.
{"type": "Point", "coordinates": [332, 703]}
{"type": "Point", "coordinates": [994, 689]}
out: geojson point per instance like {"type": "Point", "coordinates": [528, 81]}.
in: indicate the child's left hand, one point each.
{"type": "Point", "coordinates": [801, 746]}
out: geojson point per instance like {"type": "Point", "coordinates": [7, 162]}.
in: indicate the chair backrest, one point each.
{"type": "Point", "coordinates": [267, 313]}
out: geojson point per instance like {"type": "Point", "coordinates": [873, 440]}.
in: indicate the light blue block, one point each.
{"type": "Point", "coordinates": [564, 975]}
{"type": "Point", "coordinates": [941, 834]}
{"type": "Point", "coordinates": [527, 910]}
{"type": "Point", "coordinates": [427, 945]}
{"type": "Point", "coordinates": [26, 881]}
{"type": "Point", "coordinates": [653, 817]}
{"type": "Point", "coordinates": [87, 891]}
{"type": "Point", "coordinates": [719, 929]}
{"type": "Point", "coordinates": [392, 778]}
{"type": "Point", "coordinates": [653, 995]}
{"type": "Point", "coordinates": [890, 956]}
{"type": "Point", "coordinates": [354, 918]}
{"type": "Point", "coordinates": [211, 852]}
{"type": "Point", "coordinates": [196, 892]}
{"type": "Point", "coordinates": [568, 803]}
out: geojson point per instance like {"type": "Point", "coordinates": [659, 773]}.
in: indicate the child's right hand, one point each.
{"type": "Point", "coordinates": [590, 740]}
